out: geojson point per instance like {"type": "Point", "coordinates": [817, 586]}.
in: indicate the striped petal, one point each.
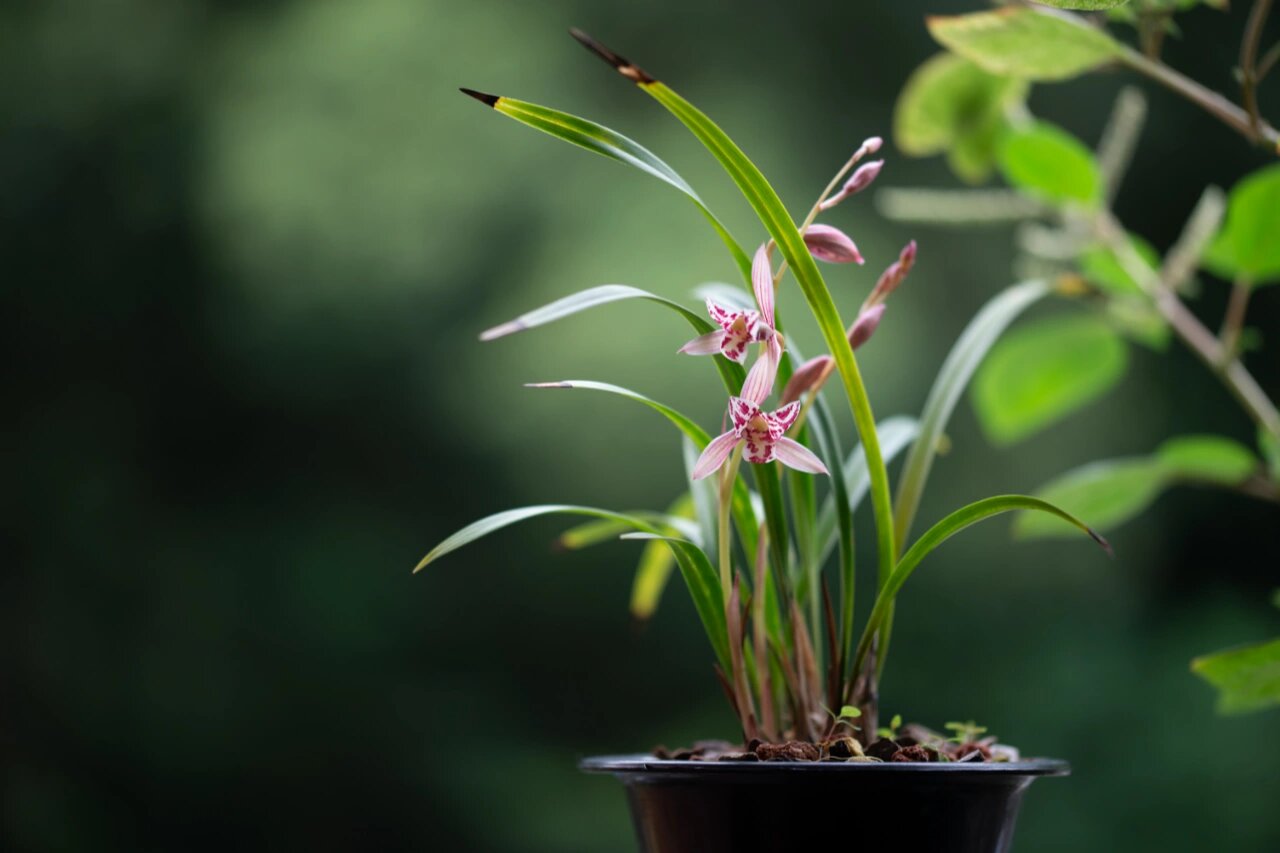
{"type": "Point", "coordinates": [760, 379]}
{"type": "Point", "coordinates": [796, 455]}
{"type": "Point", "coordinates": [762, 282]}
{"type": "Point", "coordinates": [716, 452]}
{"type": "Point", "coordinates": [721, 316]}
{"type": "Point", "coordinates": [781, 420]}
{"type": "Point", "coordinates": [705, 344]}
{"type": "Point", "coordinates": [831, 245]}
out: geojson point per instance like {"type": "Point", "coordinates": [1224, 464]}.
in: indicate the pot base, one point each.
{"type": "Point", "coordinates": [768, 807]}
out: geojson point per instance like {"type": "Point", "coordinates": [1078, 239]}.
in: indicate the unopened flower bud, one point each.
{"type": "Point", "coordinates": [893, 276]}
{"type": "Point", "coordinates": [872, 144]}
{"type": "Point", "coordinates": [861, 179]}
{"type": "Point", "coordinates": [806, 377]}
{"type": "Point", "coordinates": [831, 245]}
{"type": "Point", "coordinates": [865, 326]}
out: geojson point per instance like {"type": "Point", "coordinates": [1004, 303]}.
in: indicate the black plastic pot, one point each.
{"type": "Point", "coordinates": [754, 807]}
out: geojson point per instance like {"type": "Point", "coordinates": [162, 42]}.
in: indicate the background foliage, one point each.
{"type": "Point", "coordinates": [246, 252]}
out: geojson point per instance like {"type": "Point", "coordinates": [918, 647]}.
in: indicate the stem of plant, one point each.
{"type": "Point", "coordinates": [1210, 101]}
{"type": "Point", "coordinates": [728, 475]}
{"type": "Point", "coordinates": [1249, 59]}
{"type": "Point", "coordinates": [1233, 322]}
{"type": "Point", "coordinates": [1191, 331]}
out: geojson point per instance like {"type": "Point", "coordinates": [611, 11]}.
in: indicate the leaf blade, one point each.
{"type": "Point", "coordinates": [1024, 42]}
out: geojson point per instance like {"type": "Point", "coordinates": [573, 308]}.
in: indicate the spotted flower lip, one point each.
{"type": "Point", "coordinates": [738, 328]}
{"type": "Point", "coordinates": [762, 435]}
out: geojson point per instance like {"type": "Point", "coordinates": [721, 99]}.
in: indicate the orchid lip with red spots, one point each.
{"type": "Point", "coordinates": [762, 436]}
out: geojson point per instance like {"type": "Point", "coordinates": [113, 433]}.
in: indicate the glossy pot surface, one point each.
{"type": "Point", "coordinates": [764, 807]}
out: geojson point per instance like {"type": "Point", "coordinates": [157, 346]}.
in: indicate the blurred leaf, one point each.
{"type": "Point", "coordinates": [728, 295]}
{"type": "Point", "coordinates": [615, 146]}
{"type": "Point", "coordinates": [704, 587]}
{"type": "Point", "coordinates": [1044, 371]}
{"type": "Point", "coordinates": [1083, 5]}
{"type": "Point", "coordinates": [1023, 42]}
{"type": "Point", "coordinates": [581, 301]}
{"type": "Point", "coordinates": [1248, 246]}
{"type": "Point", "coordinates": [656, 562]}
{"type": "Point", "coordinates": [1269, 444]}
{"type": "Point", "coordinates": [1110, 492]}
{"type": "Point", "coordinates": [966, 354]}
{"type": "Point", "coordinates": [1106, 494]}
{"type": "Point", "coordinates": [1099, 264]}
{"type": "Point", "coordinates": [949, 104]}
{"type": "Point", "coordinates": [1210, 458]}
{"type": "Point", "coordinates": [1050, 164]}
{"type": "Point", "coordinates": [1247, 678]}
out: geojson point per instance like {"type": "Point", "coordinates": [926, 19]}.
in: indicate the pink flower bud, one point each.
{"type": "Point", "coordinates": [831, 245]}
{"type": "Point", "coordinates": [806, 377]}
{"type": "Point", "coordinates": [865, 326]}
{"type": "Point", "coordinates": [861, 179]}
{"type": "Point", "coordinates": [872, 144]}
{"type": "Point", "coordinates": [893, 276]}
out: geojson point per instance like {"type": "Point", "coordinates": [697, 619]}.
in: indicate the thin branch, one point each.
{"type": "Point", "coordinates": [1249, 59]}
{"type": "Point", "coordinates": [1233, 322]}
{"type": "Point", "coordinates": [1181, 261]}
{"type": "Point", "coordinates": [956, 207]}
{"type": "Point", "coordinates": [1120, 138]}
{"type": "Point", "coordinates": [1210, 101]}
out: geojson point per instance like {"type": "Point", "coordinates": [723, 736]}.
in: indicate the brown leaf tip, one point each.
{"type": "Point", "coordinates": [1101, 540]}
{"type": "Point", "coordinates": [486, 99]}
{"type": "Point", "coordinates": [624, 66]}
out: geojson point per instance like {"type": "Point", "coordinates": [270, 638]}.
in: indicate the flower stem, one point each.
{"type": "Point", "coordinates": [1249, 60]}
{"type": "Point", "coordinates": [727, 477]}
{"type": "Point", "coordinates": [1233, 322]}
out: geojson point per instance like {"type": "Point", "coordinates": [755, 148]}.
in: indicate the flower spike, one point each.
{"type": "Point", "coordinates": [861, 179]}
{"type": "Point", "coordinates": [762, 435]}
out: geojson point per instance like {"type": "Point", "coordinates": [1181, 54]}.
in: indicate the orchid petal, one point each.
{"type": "Point", "coordinates": [741, 412]}
{"type": "Point", "coordinates": [795, 455]}
{"type": "Point", "coordinates": [704, 344]}
{"type": "Point", "coordinates": [716, 452]}
{"type": "Point", "coordinates": [763, 373]}
{"type": "Point", "coordinates": [721, 316]}
{"type": "Point", "coordinates": [831, 245]}
{"type": "Point", "coordinates": [781, 420]}
{"type": "Point", "coordinates": [760, 450]}
{"type": "Point", "coordinates": [865, 326]}
{"type": "Point", "coordinates": [762, 282]}
{"type": "Point", "coordinates": [733, 345]}
{"type": "Point", "coordinates": [806, 376]}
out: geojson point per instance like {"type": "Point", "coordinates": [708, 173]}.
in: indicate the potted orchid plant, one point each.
{"type": "Point", "coordinates": [762, 535]}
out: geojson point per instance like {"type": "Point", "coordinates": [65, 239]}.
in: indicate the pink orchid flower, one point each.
{"type": "Point", "coordinates": [738, 329]}
{"type": "Point", "coordinates": [762, 433]}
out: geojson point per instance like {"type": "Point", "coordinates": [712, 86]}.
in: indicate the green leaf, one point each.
{"type": "Point", "coordinates": [966, 354]}
{"type": "Point", "coordinates": [656, 561]}
{"type": "Point", "coordinates": [849, 711]}
{"type": "Point", "coordinates": [1029, 43]}
{"type": "Point", "coordinates": [1110, 492]}
{"type": "Point", "coordinates": [731, 374]}
{"type": "Point", "coordinates": [1208, 458]}
{"type": "Point", "coordinates": [1269, 444]}
{"type": "Point", "coordinates": [743, 514]}
{"type": "Point", "coordinates": [1106, 494]}
{"type": "Point", "coordinates": [1083, 5]}
{"type": "Point", "coordinates": [1099, 264]}
{"type": "Point", "coordinates": [1050, 164]}
{"type": "Point", "coordinates": [1043, 371]}
{"type": "Point", "coordinates": [594, 137]}
{"type": "Point", "coordinates": [1247, 678]}
{"type": "Point", "coordinates": [950, 104]}
{"type": "Point", "coordinates": [1247, 247]}
{"type": "Point", "coordinates": [941, 532]}
{"type": "Point", "coordinates": [1138, 319]}
{"type": "Point", "coordinates": [597, 532]}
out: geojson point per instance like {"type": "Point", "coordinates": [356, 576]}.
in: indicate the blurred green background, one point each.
{"type": "Point", "coordinates": [247, 248]}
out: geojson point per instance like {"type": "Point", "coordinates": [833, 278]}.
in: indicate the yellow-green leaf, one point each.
{"type": "Point", "coordinates": [1102, 494]}
{"type": "Point", "coordinates": [1248, 246]}
{"type": "Point", "coordinates": [1051, 164]}
{"type": "Point", "coordinates": [1083, 5]}
{"type": "Point", "coordinates": [1099, 264]}
{"type": "Point", "coordinates": [1043, 371]}
{"type": "Point", "coordinates": [1209, 458]}
{"type": "Point", "coordinates": [1247, 678]}
{"type": "Point", "coordinates": [1029, 43]}
{"type": "Point", "coordinates": [949, 104]}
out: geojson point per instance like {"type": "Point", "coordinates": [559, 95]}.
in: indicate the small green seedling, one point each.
{"type": "Point", "coordinates": [966, 732]}
{"type": "Point", "coordinates": [891, 731]}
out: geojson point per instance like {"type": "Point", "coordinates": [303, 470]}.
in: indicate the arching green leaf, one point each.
{"type": "Point", "coordinates": [1029, 43]}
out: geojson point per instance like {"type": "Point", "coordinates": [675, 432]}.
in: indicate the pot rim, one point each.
{"type": "Point", "coordinates": [643, 763]}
